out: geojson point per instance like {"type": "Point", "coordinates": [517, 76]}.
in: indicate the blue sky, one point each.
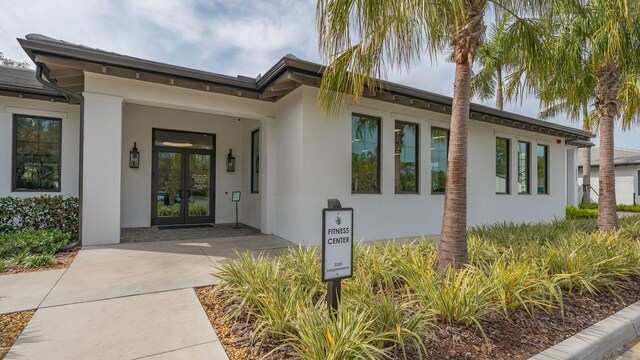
{"type": "Point", "coordinates": [232, 37]}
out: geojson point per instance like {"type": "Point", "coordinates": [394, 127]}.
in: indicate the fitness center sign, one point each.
{"type": "Point", "coordinates": [337, 243]}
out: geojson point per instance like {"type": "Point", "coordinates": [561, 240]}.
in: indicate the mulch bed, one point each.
{"type": "Point", "coordinates": [62, 260]}
{"type": "Point", "coordinates": [518, 337]}
{"type": "Point", "coordinates": [11, 325]}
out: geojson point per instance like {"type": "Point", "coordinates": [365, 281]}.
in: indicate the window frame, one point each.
{"type": "Point", "coordinates": [546, 169]}
{"type": "Point", "coordinates": [253, 164]}
{"type": "Point", "coordinates": [14, 154]}
{"type": "Point", "coordinates": [378, 190]}
{"type": "Point", "coordinates": [508, 168]}
{"type": "Point", "coordinates": [448, 131]}
{"type": "Point", "coordinates": [528, 167]}
{"type": "Point", "coordinates": [417, 155]}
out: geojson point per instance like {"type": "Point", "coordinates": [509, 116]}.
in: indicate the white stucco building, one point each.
{"type": "Point", "coordinates": [385, 156]}
{"type": "Point", "coordinates": [627, 167]}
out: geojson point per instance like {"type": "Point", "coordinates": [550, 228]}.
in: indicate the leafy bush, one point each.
{"type": "Point", "coordinates": [396, 294]}
{"type": "Point", "coordinates": [573, 212]}
{"type": "Point", "coordinates": [348, 335]}
{"type": "Point", "coordinates": [589, 263]}
{"type": "Point", "coordinates": [31, 261]}
{"type": "Point", "coordinates": [35, 213]}
{"type": "Point", "coordinates": [32, 242]}
{"type": "Point", "coordinates": [628, 208]}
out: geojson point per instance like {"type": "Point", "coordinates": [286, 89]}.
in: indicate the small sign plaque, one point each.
{"type": "Point", "coordinates": [337, 243]}
{"type": "Point", "coordinates": [235, 196]}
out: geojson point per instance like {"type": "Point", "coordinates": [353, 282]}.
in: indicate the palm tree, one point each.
{"type": "Point", "coordinates": [494, 60]}
{"type": "Point", "coordinates": [601, 38]}
{"type": "Point", "coordinates": [570, 94]}
{"type": "Point", "coordinates": [359, 40]}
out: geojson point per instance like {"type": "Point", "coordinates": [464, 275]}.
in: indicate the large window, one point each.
{"type": "Point", "coordinates": [502, 166]}
{"type": "Point", "coordinates": [36, 156]}
{"type": "Point", "coordinates": [439, 148]}
{"type": "Point", "coordinates": [543, 169]}
{"type": "Point", "coordinates": [523, 168]}
{"type": "Point", "coordinates": [255, 161]}
{"type": "Point", "coordinates": [365, 154]}
{"type": "Point", "coordinates": [406, 153]}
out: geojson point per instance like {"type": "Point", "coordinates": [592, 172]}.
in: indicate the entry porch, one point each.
{"type": "Point", "coordinates": [193, 151]}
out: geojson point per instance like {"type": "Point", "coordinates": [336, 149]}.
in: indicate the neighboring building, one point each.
{"type": "Point", "coordinates": [385, 156]}
{"type": "Point", "coordinates": [627, 165]}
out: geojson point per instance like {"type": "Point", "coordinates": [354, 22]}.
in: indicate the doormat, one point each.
{"type": "Point", "coordinates": [195, 226]}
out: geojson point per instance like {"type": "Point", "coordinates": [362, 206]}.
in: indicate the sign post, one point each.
{"type": "Point", "coordinates": [235, 197]}
{"type": "Point", "coordinates": [337, 250]}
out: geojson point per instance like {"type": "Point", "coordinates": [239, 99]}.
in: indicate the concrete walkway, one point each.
{"type": "Point", "coordinates": [127, 301]}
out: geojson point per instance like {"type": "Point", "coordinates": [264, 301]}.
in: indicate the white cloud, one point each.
{"type": "Point", "coordinates": [231, 37]}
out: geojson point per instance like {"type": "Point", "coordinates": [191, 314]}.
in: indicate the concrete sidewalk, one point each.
{"type": "Point", "coordinates": [125, 302]}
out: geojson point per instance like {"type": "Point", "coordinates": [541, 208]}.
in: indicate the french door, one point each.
{"type": "Point", "coordinates": [183, 186]}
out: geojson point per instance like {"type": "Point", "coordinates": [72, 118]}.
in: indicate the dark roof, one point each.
{"type": "Point", "coordinates": [289, 68]}
{"type": "Point", "coordinates": [621, 157]}
{"type": "Point", "coordinates": [22, 81]}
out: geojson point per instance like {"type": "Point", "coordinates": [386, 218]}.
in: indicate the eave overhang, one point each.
{"type": "Point", "coordinates": [65, 64]}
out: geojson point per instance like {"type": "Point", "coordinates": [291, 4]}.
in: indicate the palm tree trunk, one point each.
{"type": "Point", "coordinates": [585, 160]}
{"type": "Point", "coordinates": [606, 93]}
{"type": "Point", "coordinates": [452, 249]}
{"type": "Point", "coordinates": [499, 96]}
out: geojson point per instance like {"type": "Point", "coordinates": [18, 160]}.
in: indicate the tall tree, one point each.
{"type": "Point", "coordinates": [13, 63]}
{"type": "Point", "coordinates": [600, 39]}
{"type": "Point", "coordinates": [494, 61]}
{"type": "Point", "coordinates": [567, 93]}
{"type": "Point", "coordinates": [360, 39]}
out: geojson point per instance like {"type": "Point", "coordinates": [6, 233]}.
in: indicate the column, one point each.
{"type": "Point", "coordinates": [267, 175]}
{"type": "Point", "coordinates": [101, 169]}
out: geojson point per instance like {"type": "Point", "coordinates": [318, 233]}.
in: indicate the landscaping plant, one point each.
{"type": "Point", "coordinates": [396, 299]}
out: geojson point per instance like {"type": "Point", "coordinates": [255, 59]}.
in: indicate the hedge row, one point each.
{"type": "Point", "coordinates": [36, 213]}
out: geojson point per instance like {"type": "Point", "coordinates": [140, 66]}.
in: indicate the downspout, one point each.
{"type": "Point", "coordinates": [80, 99]}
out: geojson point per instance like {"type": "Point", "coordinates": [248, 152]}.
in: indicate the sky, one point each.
{"type": "Point", "coordinates": [231, 37]}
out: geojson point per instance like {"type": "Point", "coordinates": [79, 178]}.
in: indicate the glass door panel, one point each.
{"type": "Point", "coordinates": [169, 186]}
{"type": "Point", "coordinates": [198, 185]}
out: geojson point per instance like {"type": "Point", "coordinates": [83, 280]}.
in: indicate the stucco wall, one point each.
{"type": "Point", "coordinates": [231, 133]}
{"type": "Point", "coordinates": [70, 115]}
{"type": "Point", "coordinates": [626, 184]}
{"type": "Point", "coordinates": [326, 173]}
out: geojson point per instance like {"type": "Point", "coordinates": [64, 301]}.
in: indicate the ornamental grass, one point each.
{"type": "Point", "coordinates": [396, 300]}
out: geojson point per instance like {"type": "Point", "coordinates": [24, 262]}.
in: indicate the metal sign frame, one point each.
{"type": "Point", "coordinates": [324, 219]}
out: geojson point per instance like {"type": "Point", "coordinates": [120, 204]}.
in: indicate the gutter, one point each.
{"type": "Point", "coordinates": [80, 99]}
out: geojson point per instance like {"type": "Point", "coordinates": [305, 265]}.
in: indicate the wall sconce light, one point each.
{"type": "Point", "coordinates": [134, 157]}
{"type": "Point", "coordinates": [231, 162]}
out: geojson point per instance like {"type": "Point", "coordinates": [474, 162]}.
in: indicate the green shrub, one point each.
{"type": "Point", "coordinates": [348, 335]}
{"type": "Point", "coordinates": [463, 296]}
{"type": "Point", "coordinates": [522, 284]}
{"type": "Point", "coordinates": [31, 261]}
{"type": "Point", "coordinates": [32, 242]}
{"type": "Point", "coordinates": [628, 208]}
{"type": "Point", "coordinates": [402, 325]}
{"type": "Point", "coordinates": [589, 263]}
{"type": "Point", "coordinates": [35, 213]}
{"type": "Point", "coordinates": [573, 212]}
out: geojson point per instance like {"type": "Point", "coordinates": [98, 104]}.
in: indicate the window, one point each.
{"type": "Point", "coordinates": [406, 153]}
{"type": "Point", "coordinates": [523, 168]}
{"type": "Point", "coordinates": [502, 166]}
{"type": "Point", "coordinates": [255, 161]}
{"type": "Point", "coordinates": [36, 156]}
{"type": "Point", "coordinates": [365, 154]}
{"type": "Point", "coordinates": [543, 169]}
{"type": "Point", "coordinates": [439, 149]}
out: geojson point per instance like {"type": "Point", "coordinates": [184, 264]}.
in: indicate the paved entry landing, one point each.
{"type": "Point", "coordinates": [131, 301]}
{"type": "Point", "coordinates": [154, 233]}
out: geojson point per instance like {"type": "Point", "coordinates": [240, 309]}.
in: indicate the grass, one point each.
{"type": "Point", "coordinates": [396, 298]}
